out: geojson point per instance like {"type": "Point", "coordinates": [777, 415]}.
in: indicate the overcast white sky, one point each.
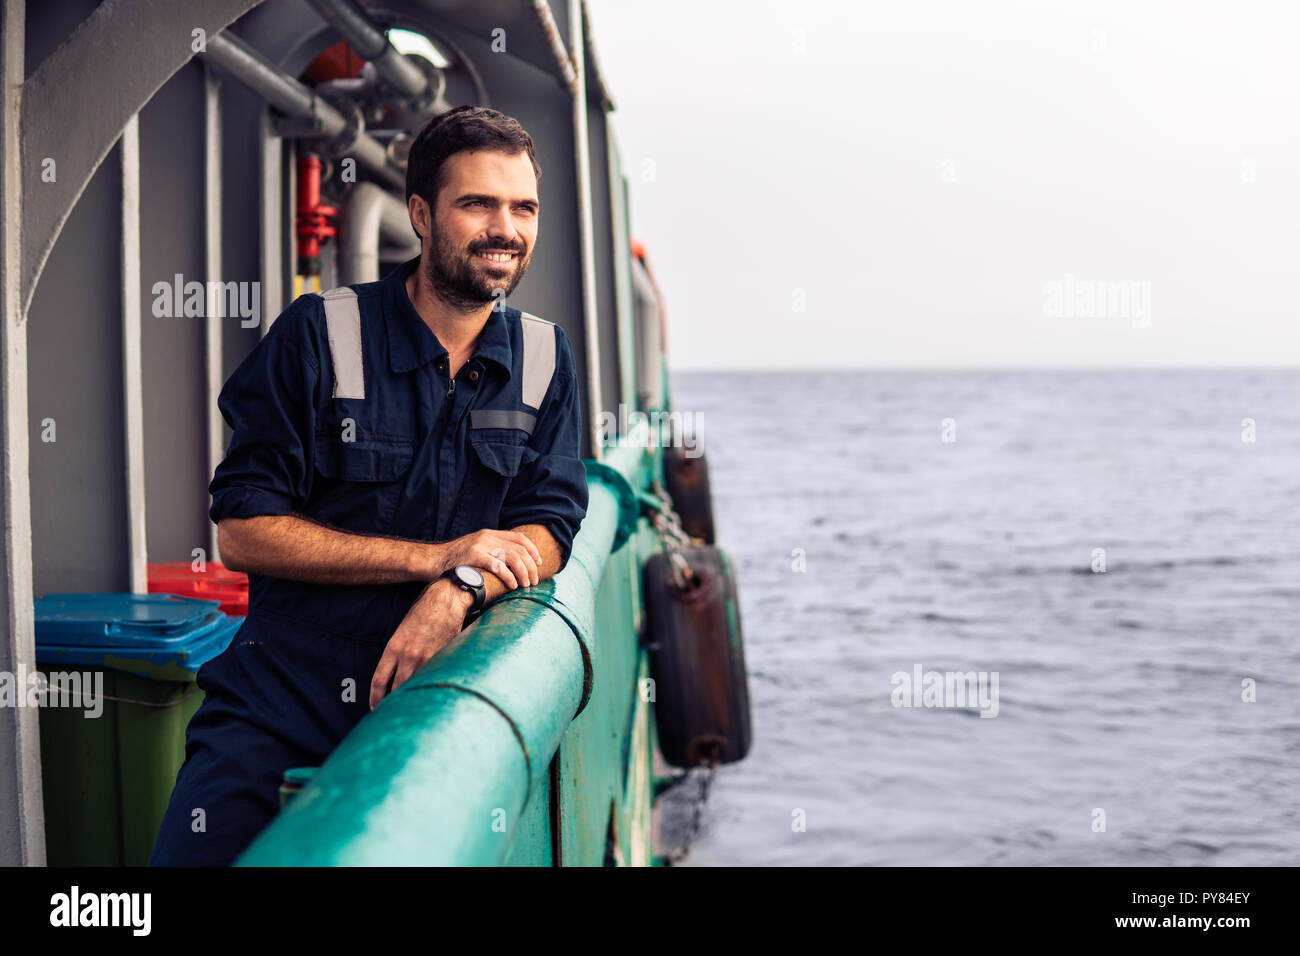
{"type": "Point", "coordinates": [924, 172]}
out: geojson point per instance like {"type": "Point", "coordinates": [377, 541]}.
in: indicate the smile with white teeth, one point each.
{"type": "Point", "coordinates": [498, 256]}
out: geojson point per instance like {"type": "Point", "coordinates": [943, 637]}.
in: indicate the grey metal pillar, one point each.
{"type": "Point", "coordinates": [22, 816]}
{"type": "Point", "coordinates": [213, 359]}
{"type": "Point", "coordinates": [133, 360]}
{"type": "Point", "coordinates": [586, 227]}
{"type": "Point", "coordinates": [271, 225]}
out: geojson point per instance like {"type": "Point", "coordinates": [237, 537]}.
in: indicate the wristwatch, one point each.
{"type": "Point", "coordinates": [469, 578]}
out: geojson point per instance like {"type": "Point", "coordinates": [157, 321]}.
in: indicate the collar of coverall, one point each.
{"type": "Point", "coordinates": [411, 343]}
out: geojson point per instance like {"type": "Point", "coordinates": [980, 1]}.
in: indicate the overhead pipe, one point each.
{"type": "Point", "coordinates": [232, 55]}
{"type": "Point", "coordinates": [551, 30]}
{"type": "Point", "coordinates": [354, 86]}
{"type": "Point", "coordinates": [371, 214]}
{"type": "Point", "coordinates": [371, 44]}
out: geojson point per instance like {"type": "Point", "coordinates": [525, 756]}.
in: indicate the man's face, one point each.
{"type": "Point", "coordinates": [484, 227]}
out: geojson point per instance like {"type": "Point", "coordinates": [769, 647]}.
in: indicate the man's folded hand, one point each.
{"type": "Point", "coordinates": [431, 623]}
{"type": "Point", "coordinates": [510, 555]}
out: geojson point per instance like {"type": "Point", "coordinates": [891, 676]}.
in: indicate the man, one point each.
{"type": "Point", "coordinates": [389, 441]}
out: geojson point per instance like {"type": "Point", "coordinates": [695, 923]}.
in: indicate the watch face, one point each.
{"type": "Point", "coordinates": [471, 576]}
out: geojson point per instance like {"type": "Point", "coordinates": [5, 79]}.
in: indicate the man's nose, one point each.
{"type": "Point", "coordinates": [502, 227]}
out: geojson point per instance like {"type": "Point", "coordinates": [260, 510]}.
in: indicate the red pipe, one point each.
{"type": "Point", "coordinates": [314, 218]}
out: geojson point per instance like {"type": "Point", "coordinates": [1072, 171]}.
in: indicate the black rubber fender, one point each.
{"type": "Point", "coordinates": [697, 660]}
{"type": "Point", "coordinates": [686, 479]}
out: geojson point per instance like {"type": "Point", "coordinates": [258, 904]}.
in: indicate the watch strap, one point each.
{"type": "Point", "coordinates": [479, 595]}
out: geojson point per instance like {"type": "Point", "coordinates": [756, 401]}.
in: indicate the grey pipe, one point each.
{"type": "Point", "coordinates": [370, 43]}
{"type": "Point", "coordinates": [370, 214]}
{"type": "Point", "coordinates": [235, 57]}
{"type": "Point", "coordinates": [551, 30]}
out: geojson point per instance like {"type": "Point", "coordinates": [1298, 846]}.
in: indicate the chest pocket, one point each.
{"type": "Point", "coordinates": [501, 452]}
{"type": "Point", "coordinates": [495, 459]}
{"type": "Point", "coordinates": [363, 460]}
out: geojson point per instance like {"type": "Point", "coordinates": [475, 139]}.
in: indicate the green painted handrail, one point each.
{"type": "Point", "coordinates": [440, 772]}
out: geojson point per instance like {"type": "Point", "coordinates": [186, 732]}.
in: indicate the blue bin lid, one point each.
{"type": "Point", "coordinates": [161, 636]}
{"type": "Point", "coordinates": [137, 620]}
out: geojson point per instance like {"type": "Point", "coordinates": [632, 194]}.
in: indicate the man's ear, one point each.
{"type": "Point", "coordinates": [418, 210]}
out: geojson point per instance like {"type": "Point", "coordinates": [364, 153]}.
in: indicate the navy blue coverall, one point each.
{"type": "Point", "coordinates": [344, 413]}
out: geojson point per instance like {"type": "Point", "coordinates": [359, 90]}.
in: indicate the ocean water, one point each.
{"type": "Point", "coordinates": [1118, 691]}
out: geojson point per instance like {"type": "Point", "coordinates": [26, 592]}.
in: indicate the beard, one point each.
{"type": "Point", "coordinates": [466, 284]}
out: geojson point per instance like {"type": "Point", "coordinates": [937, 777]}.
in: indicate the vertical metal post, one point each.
{"type": "Point", "coordinates": [288, 228]}
{"type": "Point", "coordinates": [22, 814]}
{"type": "Point", "coordinates": [132, 362]}
{"type": "Point", "coordinates": [582, 152]}
{"type": "Point", "coordinates": [622, 256]}
{"type": "Point", "coordinates": [272, 207]}
{"type": "Point", "coordinates": [212, 266]}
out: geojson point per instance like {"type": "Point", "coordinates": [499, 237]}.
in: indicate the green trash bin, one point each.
{"type": "Point", "coordinates": [120, 669]}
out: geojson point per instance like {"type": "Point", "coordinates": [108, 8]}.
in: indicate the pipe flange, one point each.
{"type": "Point", "coordinates": [351, 112]}
{"type": "Point", "coordinates": [435, 86]}
{"type": "Point", "coordinates": [398, 149]}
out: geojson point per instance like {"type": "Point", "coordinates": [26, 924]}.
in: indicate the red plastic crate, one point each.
{"type": "Point", "coordinates": [216, 583]}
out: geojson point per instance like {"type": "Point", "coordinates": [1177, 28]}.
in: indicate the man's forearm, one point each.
{"type": "Point", "coordinates": [548, 567]}
{"type": "Point", "coordinates": [288, 546]}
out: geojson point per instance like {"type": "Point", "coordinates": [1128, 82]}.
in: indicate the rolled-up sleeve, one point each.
{"type": "Point", "coordinates": [269, 404]}
{"type": "Point", "coordinates": [551, 486]}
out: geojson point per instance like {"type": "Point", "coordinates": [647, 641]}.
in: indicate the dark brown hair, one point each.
{"type": "Point", "coordinates": [462, 128]}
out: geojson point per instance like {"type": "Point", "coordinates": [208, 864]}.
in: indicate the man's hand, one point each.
{"type": "Point", "coordinates": [510, 555]}
{"type": "Point", "coordinates": [541, 538]}
{"type": "Point", "coordinates": [437, 615]}
{"type": "Point", "coordinates": [431, 623]}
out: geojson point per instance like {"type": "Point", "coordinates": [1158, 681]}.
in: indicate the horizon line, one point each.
{"type": "Point", "coordinates": [983, 368]}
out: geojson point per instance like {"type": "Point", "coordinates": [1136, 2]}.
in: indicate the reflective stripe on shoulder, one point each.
{"type": "Point", "coordinates": [539, 358]}
{"type": "Point", "coordinates": [343, 323]}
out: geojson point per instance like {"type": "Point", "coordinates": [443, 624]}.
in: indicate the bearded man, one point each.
{"type": "Point", "coordinates": [403, 452]}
